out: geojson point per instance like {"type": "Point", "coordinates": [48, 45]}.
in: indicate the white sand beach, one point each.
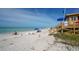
{"type": "Point", "coordinates": [31, 41]}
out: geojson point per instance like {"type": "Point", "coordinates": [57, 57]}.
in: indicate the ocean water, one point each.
{"type": "Point", "coordinates": [14, 29]}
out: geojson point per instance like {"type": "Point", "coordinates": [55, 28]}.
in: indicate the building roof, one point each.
{"type": "Point", "coordinates": [73, 14]}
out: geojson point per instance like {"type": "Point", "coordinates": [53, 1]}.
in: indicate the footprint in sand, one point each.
{"type": "Point", "coordinates": [33, 48]}
{"type": "Point", "coordinates": [4, 39]}
{"type": "Point", "coordinates": [11, 43]}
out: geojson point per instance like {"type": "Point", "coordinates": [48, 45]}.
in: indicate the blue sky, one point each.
{"type": "Point", "coordinates": [32, 17]}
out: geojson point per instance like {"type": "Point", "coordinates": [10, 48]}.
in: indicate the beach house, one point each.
{"type": "Point", "coordinates": [70, 24]}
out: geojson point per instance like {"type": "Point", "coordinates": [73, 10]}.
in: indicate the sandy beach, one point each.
{"type": "Point", "coordinates": [31, 41]}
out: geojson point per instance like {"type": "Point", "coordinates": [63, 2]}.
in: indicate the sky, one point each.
{"type": "Point", "coordinates": [32, 17]}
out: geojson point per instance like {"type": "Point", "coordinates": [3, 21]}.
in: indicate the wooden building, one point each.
{"type": "Point", "coordinates": [70, 24]}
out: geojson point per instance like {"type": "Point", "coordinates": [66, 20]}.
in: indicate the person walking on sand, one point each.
{"type": "Point", "coordinates": [15, 33]}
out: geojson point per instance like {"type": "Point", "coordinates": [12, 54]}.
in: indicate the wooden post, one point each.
{"type": "Point", "coordinates": [62, 27]}
{"type": "Point", "coordinates": [74, 26]}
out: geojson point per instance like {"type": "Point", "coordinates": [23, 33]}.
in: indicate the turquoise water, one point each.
{"type": "Point", "coordinates": [14, 29]}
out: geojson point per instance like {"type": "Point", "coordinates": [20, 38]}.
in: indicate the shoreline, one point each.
{"type": "Point", "coordinates": [10, 34]}
{"type": "Point", "coordinates": [23, 31]}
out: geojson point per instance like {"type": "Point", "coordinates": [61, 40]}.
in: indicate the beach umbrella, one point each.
{"type": "Point", "coordinates": [36, 28]}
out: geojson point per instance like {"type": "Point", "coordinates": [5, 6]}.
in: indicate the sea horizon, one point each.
{"type": "Point", "coordinates": [18, 29]}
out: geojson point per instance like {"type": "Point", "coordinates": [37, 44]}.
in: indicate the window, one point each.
{"type": "Point", "coordinates": [78, 17]}
{"type": "Point", "coordinates": [74, 18]}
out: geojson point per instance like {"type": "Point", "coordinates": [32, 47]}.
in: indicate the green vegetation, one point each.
{"type": "Point", "coordinates": [69, 39]}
